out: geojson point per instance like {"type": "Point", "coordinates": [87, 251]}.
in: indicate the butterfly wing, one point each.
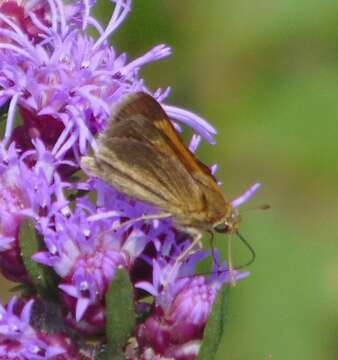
{"type": "Point", "coordinates": [146, 105]}
{"type": "Point", "coordinates": [141, 155]}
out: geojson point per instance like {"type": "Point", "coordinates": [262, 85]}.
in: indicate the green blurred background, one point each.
{"type": "Point", "coordinates": [265, 73]}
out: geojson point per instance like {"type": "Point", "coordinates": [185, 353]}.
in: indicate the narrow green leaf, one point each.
{"type": "Point", "coordinates": [120, 314]}
{"type": "Point", "coordinates": [42, 277]}
{"type": "Point", "coordinates": [214, 327]}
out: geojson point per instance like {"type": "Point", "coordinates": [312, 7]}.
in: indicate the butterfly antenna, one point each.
{"type": "Point", "coordinates": [250, 248]}
{"type": "Point", "coordinates": [259, 207]}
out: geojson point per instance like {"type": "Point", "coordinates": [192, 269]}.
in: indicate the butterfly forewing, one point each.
{"type": "Point", "coordinates": [144, 104]}
{"type": "Point", "coordinates": [141, 155]}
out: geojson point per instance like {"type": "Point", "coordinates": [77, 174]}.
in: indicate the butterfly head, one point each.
{"type": "Point", "coordinates": [229, 225]}
{"type": "Point", "coordinates": [230, 222]}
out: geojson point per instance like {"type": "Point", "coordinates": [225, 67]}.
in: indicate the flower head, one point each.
{"type": "Point", "coordinates": [66, 83]}
{"type": "Point", "coordinates": [183, 303]}
{"type": "Point", "coordinates": [30, 188]}
{"type": "Point", "coordinates": [85, 251]}
{"type": "Point", "coordinates": [85, 255]}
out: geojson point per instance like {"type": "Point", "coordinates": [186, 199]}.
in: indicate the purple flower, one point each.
{"type": "Point", "coordinates": [30, 188]}
{"type": "Point", "coordinates": [85, 255]}
{"type": "Point", "coordinates": [85, 252]}
{"type": "Point", "coordinates": [66, 83]}
{"type": "Point", "coordinates": [19, 340]}
{"type": "Point", "coordinates": [183, 302]}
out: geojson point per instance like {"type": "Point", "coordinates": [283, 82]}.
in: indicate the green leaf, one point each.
{"type": "Point", "coordinates": [42, 277]}
{"type": "Point", "coordinates": [214, 328]}
{"type": "Point", "coordinates": [120, 313]}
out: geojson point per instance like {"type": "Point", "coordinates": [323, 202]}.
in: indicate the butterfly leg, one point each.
{"type": "Point", "coordinates": [143, 218]}
{"type": "Point", "coordinates": [195, 245]}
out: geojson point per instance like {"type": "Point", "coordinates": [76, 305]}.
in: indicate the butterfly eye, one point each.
{"type": "Point", "coordinates": [222, 228]}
